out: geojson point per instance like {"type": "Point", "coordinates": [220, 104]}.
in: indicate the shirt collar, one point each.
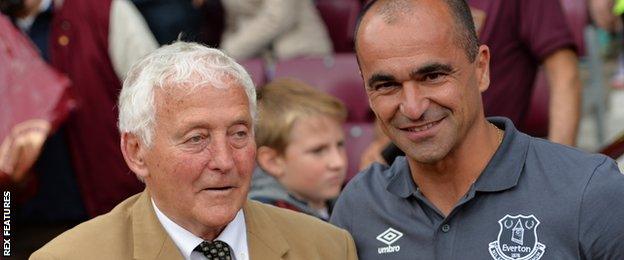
{"type": "Point", "coordinates": [505, 167]}
{"type": "Point", "coordinates": [401, 183]}
{"type": "Point", "coordinates": [501, 173]}
{"type": "Point", "coordinates": [26, 23]}
{"type": "Point", "coordinates": [234, 234]}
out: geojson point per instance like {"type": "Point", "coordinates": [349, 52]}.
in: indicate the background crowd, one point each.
{"type": "Point", "coordinates": [556, 71]}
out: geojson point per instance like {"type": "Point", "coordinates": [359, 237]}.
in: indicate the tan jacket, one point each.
{"type": "Point", "coordinates": [132, 231]}
{"type": "Point", "coordinates": [280, 28]}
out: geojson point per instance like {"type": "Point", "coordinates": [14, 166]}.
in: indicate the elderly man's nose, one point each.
{"type": "Point", "coordinates": [414, 103]}
{"type": "Point", "coordinates": [221, 156]}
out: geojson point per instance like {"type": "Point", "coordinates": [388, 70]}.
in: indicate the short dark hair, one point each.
{"type": "Point", "coordinates": [464, 25]}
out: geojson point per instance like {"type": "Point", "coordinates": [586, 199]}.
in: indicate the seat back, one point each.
{"type": "Point", "coordinates": [615, 149]}
{"type": "Point", "coordinates": [357, 137]}
{"type": "Point", "coordinates": [257, 71]}
{"type": "Point", "coordinates": [337, 75]}
{"type": "Point", "coordinates": [340, 17]}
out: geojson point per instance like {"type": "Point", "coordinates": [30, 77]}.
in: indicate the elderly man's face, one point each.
{"type": "Point", "coordinates": [420, 83]}
{"type": "Point", "coordinates": [200, 164]}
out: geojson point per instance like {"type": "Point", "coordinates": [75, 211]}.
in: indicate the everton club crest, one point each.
{"type": "Point", "coordinates": [517, 239]}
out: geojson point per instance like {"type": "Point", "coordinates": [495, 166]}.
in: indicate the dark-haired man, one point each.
{"type": "Point", "coordinates": [469, 187]}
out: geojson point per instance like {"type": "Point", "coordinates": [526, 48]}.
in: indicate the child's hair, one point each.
{"type": "Point", "coordinates": [284, 101]}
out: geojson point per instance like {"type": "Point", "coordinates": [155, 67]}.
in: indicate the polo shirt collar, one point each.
{"type": "Point", "coordinates": [505, 167]}
{"type": "Point", "coordinates": [401, 183]}
{"type": "Point", "coordinates": [501, 173]}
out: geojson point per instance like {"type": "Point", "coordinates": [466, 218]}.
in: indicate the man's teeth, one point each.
{"type": "Point", "coordinates": [421, 128]}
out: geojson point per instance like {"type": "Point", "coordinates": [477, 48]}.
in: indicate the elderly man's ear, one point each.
{"type": "Point", "coordinates": [134, 152]}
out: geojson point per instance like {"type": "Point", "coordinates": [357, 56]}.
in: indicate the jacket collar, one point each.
{"type": "Point", "coordinates": [150, 238]}
{"type": "Point", "coordinates": [263, 236]}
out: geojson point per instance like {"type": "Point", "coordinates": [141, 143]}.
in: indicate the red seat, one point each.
{"type": "Point", "coordinates": [340, 17]}
{"type": "Point", "coordinates": [615, 149]}
{"type": "Point", "coordinates": [338, 75]}
{"type": "Point", "coordinates": [256, 69]}
{"type": "Point", "coordinates": [357, 137]}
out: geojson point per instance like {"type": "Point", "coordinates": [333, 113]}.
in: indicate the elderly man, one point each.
{"type": "Point", "coordinates": [469, 187]}
{"type": "Point", "coordinates": [186, 115]}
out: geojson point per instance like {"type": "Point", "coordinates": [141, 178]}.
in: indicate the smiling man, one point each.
{"type": "Point", "coordinates": [468, 187]}
{"type": "Point", "coordinates": [186, 116]}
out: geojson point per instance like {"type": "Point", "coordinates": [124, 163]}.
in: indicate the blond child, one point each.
{"type": "Point", "coordinates": [301, 154]}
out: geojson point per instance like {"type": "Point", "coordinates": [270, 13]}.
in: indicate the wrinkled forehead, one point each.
{"type": "Point", "coordinates": [179, 89]}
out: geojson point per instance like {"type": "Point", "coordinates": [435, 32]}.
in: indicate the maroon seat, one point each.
{"type": "Point", "coordinates": [340, 17]}
{"type": "Point", "coordinates": [256, 69]}
{"type": "Point", "coordinates": [615, 149]}
{"type": "Point", "coordinates": [536, 121]}
{"type": "Point", "coordinates": [357, 137]}
{"type": "Point", "coordinates": [337, 75]}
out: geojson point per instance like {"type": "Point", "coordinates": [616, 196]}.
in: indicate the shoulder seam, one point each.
{"type": "Point", "coordinates": [578, 229]}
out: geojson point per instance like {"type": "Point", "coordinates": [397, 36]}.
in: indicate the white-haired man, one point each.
{"type": "Point", "coordinates": [186, 115]}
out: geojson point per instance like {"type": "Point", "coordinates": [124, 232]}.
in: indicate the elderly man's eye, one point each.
{"type": "Point", "coordinates": [195, 139]}
{"type": "Point", "coordinates": [241, 134]}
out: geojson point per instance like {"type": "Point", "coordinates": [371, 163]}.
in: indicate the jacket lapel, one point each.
{"type": "Point", "coordinates": [150, 238]}
{"type": "Point", "coordinates": [263, 237]}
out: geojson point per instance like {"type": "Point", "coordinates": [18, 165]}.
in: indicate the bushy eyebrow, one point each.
{"type": "Point", "coordinates": [431, 68]}
{"type": "Point", "coordinates": [416, 73]}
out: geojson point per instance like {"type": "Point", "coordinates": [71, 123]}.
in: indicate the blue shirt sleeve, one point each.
{"type": "Point", "coordinates": [601, 220]}
{"type": "Point", "coordinates": [342, 213]}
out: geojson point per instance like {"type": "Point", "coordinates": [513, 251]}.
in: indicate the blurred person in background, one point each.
{"type": "Point", "coordinates": [93, 43]}
{"type": "Point", "coordinates": [301, 150]}
{"type": "Point", "coordinates": [274, 29]}
{"type": "Point", "coordinates": [189, 20]}
{"type": "Point", "coordinates": [609, 16]}
{"type": "Point", "coordinates": [170, 19]}
{"type": "Point", "coordinates": [522, 35]}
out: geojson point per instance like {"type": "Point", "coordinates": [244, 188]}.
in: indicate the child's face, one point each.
{"type": "Point", "coordinates": [315, 160]}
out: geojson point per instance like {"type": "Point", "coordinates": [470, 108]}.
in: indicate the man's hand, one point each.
{"type": "Point", "coordinates": [20, 149]}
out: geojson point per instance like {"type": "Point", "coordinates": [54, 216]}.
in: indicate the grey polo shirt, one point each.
{"type": "Point", "coordinates": [534, 200]}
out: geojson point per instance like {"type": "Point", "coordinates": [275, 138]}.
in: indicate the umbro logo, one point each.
{"type": "Point", "coordinates": [388, 237]}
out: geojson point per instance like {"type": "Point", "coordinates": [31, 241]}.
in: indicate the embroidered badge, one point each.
{"type": "Point", "coordinates": [388, 237]}
{"type": "Point", "coordinates": [517, 239]}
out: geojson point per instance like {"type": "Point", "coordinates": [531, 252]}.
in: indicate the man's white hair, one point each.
{"type": "Point", "coordinates": [179, 65]}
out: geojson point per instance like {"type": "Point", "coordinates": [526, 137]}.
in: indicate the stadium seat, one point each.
{"type": "Point", "coordinates": [357, 137]}
{"type": "Point", "coordinates": [256, 69]}
{"type": "Point", "coordinates": [615, 149]}
{"type": "Point", "coordinates": [337, 75]}
{"type": "Point", "coordinates": [340, 17]}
